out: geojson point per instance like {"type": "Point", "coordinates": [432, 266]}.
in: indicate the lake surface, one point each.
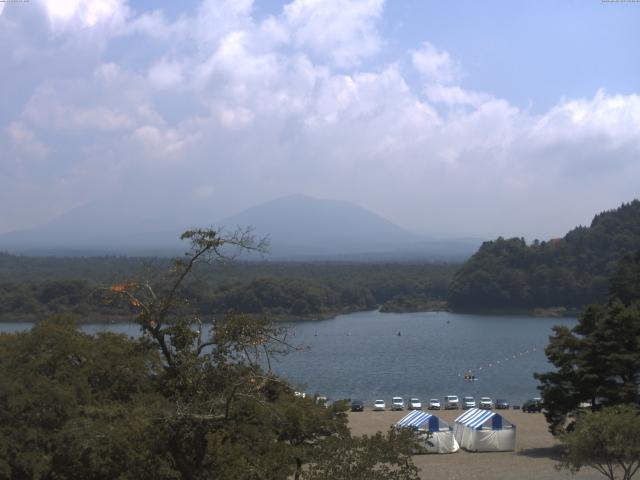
{"type": "Point", "coordinates": [361, 355]}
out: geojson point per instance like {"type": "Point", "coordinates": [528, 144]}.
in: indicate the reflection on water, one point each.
{"type": "Point", "coordinates": [373, 355]}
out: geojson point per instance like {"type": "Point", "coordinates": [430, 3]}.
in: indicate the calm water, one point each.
{"type": "Point", "coordinates": [361, 355]}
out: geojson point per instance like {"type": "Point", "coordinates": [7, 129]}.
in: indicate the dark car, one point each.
{"type": "Point", "coordinates": [532, 406]}
{"type": "Point", "coordinates": [502, 404]}
{"type": "Point", "coordinates": [357, 406]}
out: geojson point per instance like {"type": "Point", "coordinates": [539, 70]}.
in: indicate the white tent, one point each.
{"type": "Point", "coordinates": [440, 440]}
{"type": "Point", "coordinates": [484, 431]}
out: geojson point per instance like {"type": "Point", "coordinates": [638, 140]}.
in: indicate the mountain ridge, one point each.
{"type": "Point", "coordinates": [568, 272]}
{"type": "Point", "coordinates": [300, 227]}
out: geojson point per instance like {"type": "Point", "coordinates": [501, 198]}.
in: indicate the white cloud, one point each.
{"type": "Point", "coordinates": [166, 74]}
{"type": "Point", "coordinates": [45, 111]}
{"type": "Point", "coordinates": [454, 95]}
{"type": "Point", "coordinates": [237, 109]}
{"type": "Point", "coordinates": [25, 141]}
{"type": "Point", "coordinates": [86, 13]}
{"type": "Point", "coordinates": [342, 30]}
{"type": "Point", "coordinates": [161, 143]}
{"type": "Point", "coordinates": [434, 65]}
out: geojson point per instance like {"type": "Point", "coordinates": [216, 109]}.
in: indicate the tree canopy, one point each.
{"type": "Point", "coordinates": [570, 272]}
{"type": "Point", "coordinates": [34, 288]}
{"type": "Point", "coordinates": [597, 361]}
{"type": "Point", "coordinates": [178, 403]}
{"type": "Point", "coordinates": [607, 441]}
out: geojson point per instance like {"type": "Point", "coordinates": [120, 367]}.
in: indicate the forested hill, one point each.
{"type": "Point", "coordinates": [569, 272]}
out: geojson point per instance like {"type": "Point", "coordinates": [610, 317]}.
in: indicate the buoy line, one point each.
{"type": "Point", "coordinates": [472, 373]}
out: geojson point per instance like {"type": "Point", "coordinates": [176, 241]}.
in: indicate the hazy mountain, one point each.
{"type": "Point", "coordinates": [305, 227]}
{"type": "Point", "coordinates": [299, 227]}
{"type": "Point", "coordinates": [114, 226]}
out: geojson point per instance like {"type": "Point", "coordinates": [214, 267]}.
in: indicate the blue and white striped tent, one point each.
{"type": "Point", "coordinates": [440, 438]}
{"type": "Point", "coordinates": [419, 420]}
{"type": "Point", "coordinates": [484, 431]}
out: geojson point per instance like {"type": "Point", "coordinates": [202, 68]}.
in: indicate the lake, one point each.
{"type": "Point", "coordinates": [361, 355]}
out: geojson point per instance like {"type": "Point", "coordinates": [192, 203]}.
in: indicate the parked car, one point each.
{"type": "Point", "coordinates": [397, 403]}
{"type": "Point", "coordinates": [502, 404]}
{"type": "Point", "coordinates": [322, 400]}
{"type": "Point", "coordinates": [532, 405]}
{"type": "Point", "coordinates": [379, 406]}
{"type": "Point", "coordinates": [434, 404]}
{"type": "Point", "coordinates": [415, 404]}
{"type": "Point", "coordinates": [468, 402]}
{"type": "Point", "coordinates": [485, 403]}
{"type": "Point", "coordinates": [357, 406]}
{"type": "Point", "coordinates": [451, 402]}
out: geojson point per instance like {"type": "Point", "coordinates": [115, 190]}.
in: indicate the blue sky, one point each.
{"type": "Point", "coordinates": [525, 52]}
{"type": "Point", "coordinates": [477, 118]}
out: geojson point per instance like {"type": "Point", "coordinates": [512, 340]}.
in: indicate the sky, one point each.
{"type": "Point", "coordinates": [464, 118]}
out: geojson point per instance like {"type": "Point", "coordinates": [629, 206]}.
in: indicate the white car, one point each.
{"type": "Point", "coordinates": [379, 406]}
{"type": "Point", "coordinates": [468, 402]}
{"type": "Point", "coordinates": [415, 404]}
{"type": "Point", "coordinates": [434, 404]}
{"type": "Point", "coordinates": [485, 403]}
{"type": "Point", "coordinates": [451, 402]}
{"type": "Point", "coordinates": [397, 403]}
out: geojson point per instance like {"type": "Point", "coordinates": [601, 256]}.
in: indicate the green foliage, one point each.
{"type": "Point", "coordinates": [178, 403]}
{"type": "Point", "coordinates": [598, 361]}
{"type": "Point", "coordinates": [607, 441]}
{"type": "Point", "coordinates": [571, 272]}
{"type": "Point", "coordinates": [413, 303]}
{"type": "Point", "coordinates": [78, 406]}
{"type": "Point", "coordinates": [379, 457]}
{"type": "Point", "coordinates": [32, 288]}
{"type": "Point", "coordinates": [625, 285]}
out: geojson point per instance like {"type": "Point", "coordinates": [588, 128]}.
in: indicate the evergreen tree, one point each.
{"type": "Point", "coordinates": [571, 272]}
{"type": "Point", "coordinates": [598, 361]}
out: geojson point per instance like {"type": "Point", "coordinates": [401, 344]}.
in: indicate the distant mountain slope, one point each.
{"type": "Point", "coordinates": [302, 225]}
{"type": "Point", "coordinates": [571, 271]}
{"type": "Point", "coordinates": [111, 226]}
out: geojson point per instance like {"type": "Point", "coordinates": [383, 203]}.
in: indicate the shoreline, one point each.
{"type": "Point", "coordinates": [93, 319]}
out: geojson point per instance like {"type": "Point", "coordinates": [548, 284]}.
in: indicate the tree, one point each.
{"type": "Point", "coordinates": [607, 441]}
{"type": "Point", "coordinates": [77, 406]}
{"type": "Point", "coordinates": [625, 285]}
{"type": "Point", "coordinates": [598, 361]}
{"type": "Point", "coordinates": [178, 403]}
{"type": "Point", "coordinates": [571, 271]}
{"type": "Point", "coordinates": [378, 457]}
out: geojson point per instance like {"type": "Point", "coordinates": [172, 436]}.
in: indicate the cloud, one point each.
{"type": "Point", "coordinates": [25, 142]}
{"type": "Point", "coordinates": [434, 65]}
{"type": "Point", "coordinates": [344, 31]}
{"type": "Point", "coordinates": [85, 13]}
{"type": "Point", "coordinates": [454, 95]}
{"type": "Point", "coordinates": [230, 108]}
{"type": "Point", "coordinates": [166, 74]}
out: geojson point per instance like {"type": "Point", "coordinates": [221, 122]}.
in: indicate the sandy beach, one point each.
{"type": "Point", "coordinates": [535, 456]}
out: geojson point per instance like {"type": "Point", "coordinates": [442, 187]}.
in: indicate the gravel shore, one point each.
{"type": "Point", "coordinates": [535, 456]}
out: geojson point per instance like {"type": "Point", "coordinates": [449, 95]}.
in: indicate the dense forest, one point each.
{"type": "Point", "coordinates": [569, 272]}
{"type": "Point", "coordinates": [176, 403]}
{"type": "Point", "coordinates": [32, 288]}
